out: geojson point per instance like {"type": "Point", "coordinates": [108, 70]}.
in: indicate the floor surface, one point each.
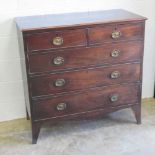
{"type": "Point", "coordinates": [116, 134]}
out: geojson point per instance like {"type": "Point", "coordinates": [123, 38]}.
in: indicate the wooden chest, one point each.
{"type": "Point", "coordinates": [81, 65]}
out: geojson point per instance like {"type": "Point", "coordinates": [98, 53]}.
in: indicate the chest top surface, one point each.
{"type": "Point", "coordinates": [30, 23]}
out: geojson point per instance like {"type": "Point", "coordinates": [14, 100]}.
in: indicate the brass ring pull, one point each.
{"type": "Point", "coordinates": [116, 34]}
{"type": "Point", "coordinates": [58, 61]}
{"type": "Point", "coordinates": [115, 74]}
{"type": "Point", "coordinates": [58, 41]}
{"type": "Point", "coordinates": [114, 98]}
{"type": "Point", "coordinates": [61, 106]}
{"type": "Point", "coordinates": [59, 82]}
{"type": "Point", "coordinates": [115, 53]}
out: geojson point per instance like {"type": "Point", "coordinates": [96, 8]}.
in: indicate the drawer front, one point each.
{"type": "Point", "coordinates": [102, 97]}
{"type": "Point", "coordinates": [116, 33]}
{"type": "Point", "coordinates": [83, 79]}
{"type": "Point", "coordinates": [56, 39]}
{"type": "Point", "coordinates": [61, 60]}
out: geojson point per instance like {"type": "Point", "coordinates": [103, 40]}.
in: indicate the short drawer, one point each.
{"type": "Point", "coordinates": [102, 97]}
{"type": "Point", "coordinates": [67, 59]}
{"type": "Point", "coordinates": [116, 33]}
{"type": "Point", "coordinates": [83, 79]}
{"type": "Point", "coordinates": [56, 39]}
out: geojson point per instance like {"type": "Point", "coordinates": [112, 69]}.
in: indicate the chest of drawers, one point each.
{"type": "Point", "coordinates": [81, 65]}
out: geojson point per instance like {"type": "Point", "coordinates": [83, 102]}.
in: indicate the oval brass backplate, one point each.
{"type": "Point", "coordinates": [115, 75]}
{"type": "Point", "coordinates": [60, 82]}
{"type": "Point", "coordinates": [115, 53]}
{"type": "Point", "coordinates": [61, 106]}
{"type": "Point", "coordinates": [116, 34]}
{"type": "Point", "coordinates": [114, 98]}
{"type": "Point", "coordinates": [58, 61]}
{"type": "Point", "coordinates": [58, 41]}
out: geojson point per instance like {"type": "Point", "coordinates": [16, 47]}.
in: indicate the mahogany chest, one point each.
{"type": "Point", "coordinates": [81, 65]}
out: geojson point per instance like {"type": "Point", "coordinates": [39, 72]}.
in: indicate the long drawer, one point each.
{"type": "Point", "coordinates": [103, 97]}
{"type": "Point", "coordinates": [81, 57]}
{"type": "Point", "coordinates": [83, 79]}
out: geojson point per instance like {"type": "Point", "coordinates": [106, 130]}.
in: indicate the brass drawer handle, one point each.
{"type": "Point", "coordinates": [59, 82]}
{"type": "Point", "coordinates": [115, 74]}
{"type": "Point", "coordinates": [58, 41]}
{"type": "Point", "coordinates": [116, 34]}
{"type": "Point", "coordinates": [115, 53]}
{"type": "Point", "coordinates": [58, 61]}
{"type": "Point", "coordinates": [114, 98]}
{"type": "Point", "coordinates": [61, 106]}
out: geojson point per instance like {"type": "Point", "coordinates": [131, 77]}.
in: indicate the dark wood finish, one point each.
{"type": "Point", "coordinates": [85, 57]}
{"type": "Point", "coordinates": [89, 115]}
{"type": "Point", "coordinates": [103, 34]}
{"type": "Point", "coordinates": [43, 41]}
{"type": "Point", "coordinates": [84, 79]}
{"type": "Point", "coordinates": [86, 101]}
{"type": "Point", "coordinates": [137, 112]}
{"type": "Point", "coordinates": [92, 47]}
{"type": "Point", "coordinates": [35, 131]}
